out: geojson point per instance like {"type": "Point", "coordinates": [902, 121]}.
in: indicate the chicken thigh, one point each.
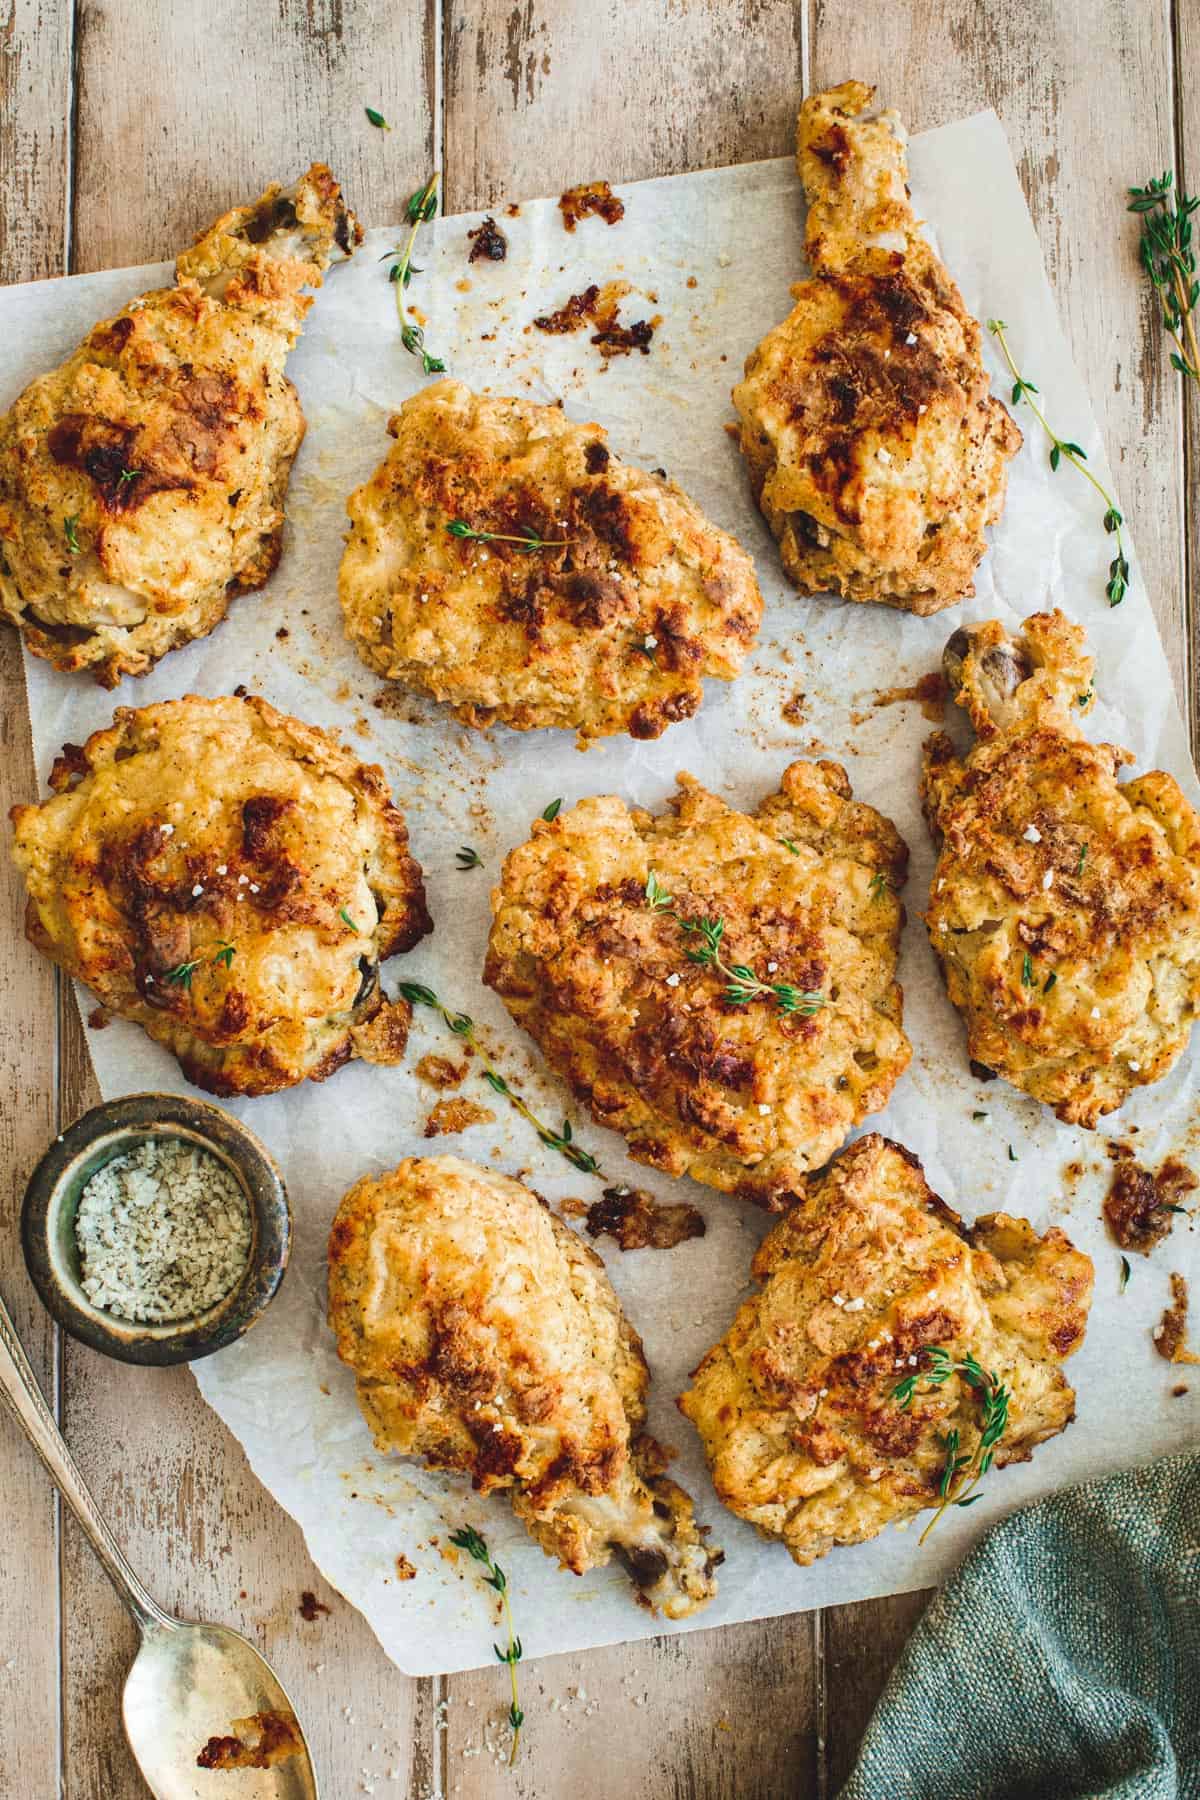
{"type": "Point", "coordinates": [1065, 906]}
{"type": "Point", "coordinates": [486, 1338]}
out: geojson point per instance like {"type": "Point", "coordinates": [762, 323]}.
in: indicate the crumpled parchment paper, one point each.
{"type": "Point", "coordinates": [713, 255]}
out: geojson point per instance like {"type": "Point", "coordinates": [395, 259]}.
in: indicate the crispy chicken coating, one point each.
{"type": "Point", "coordinates": [876, 450]}
{"type": "Point", "coordinates": [744, 1084]}
{"type": "Point", "coordinates": [612, 628]}
{"type": "Point", "coordinates": [485, 1337]}
{"type": "Point", "coordinates": [231, 880]}
{"type": "Point", "coordinates": [142, 483]}
{"type": "Point", "coordinates": [796, 1406]}
{"type": "Point", "coordinates": [1065, 905]}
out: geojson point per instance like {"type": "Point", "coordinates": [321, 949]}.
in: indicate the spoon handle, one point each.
{"type": "Point", "coordinates": [18, 1386]}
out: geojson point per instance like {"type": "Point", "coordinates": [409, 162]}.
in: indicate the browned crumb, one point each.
{"type": "Point", "coordinates": [930, 691]}
{"type": "Point", "coordinates": [283, 633]}
{"type": "Point", "coordinates": [98, 1018]}
{"type": "Point", "coordinates": [1178, 1391]}
{"type": "Point", "coordinates": [691, 281]}
{"type": "Point", "coordinates": [512, 210]}
{"type": "Point", "coordinates": [487, 240]}
{"type": "Point", "coordinates": [599, 306]}
{"type": "Point", "coordinates": [273, 1738]}
{"type": "Point", "coordinates": [310, 1606]}
{"type": "Point", "coordinates": [640, 1222]}
{"type": "Point", "coordinates": [440, 1071]}
{"type": "Point", "coordinates": [793, 709]}
{"type": "Point", "coordinates": [574, 1209]}
{"type": "Point", "coordinates": [449, 1116]}
{"type": "Point", "coordinates": [590, 197]}
{"type": "Point", "coordinates": [404, 1569]}
{"type": "Point", "coordinates": [1170, 1334]}
{"type": "Point", "coordinates": [1138, 1209]}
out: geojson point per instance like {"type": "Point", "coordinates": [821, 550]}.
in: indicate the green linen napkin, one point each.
{"type": "Point", "coordinates": [1061, 1662]}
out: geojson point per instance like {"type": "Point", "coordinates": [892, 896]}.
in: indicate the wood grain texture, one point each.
{"type": "Point", "coordinates": [730, 1715]}
{"type": "Point", "coordinates": [180, 112]}
{"type": "Point", "coordinates": [1186, 19]}
{"type": "Point", "coordinates": [153, 167]}
{"type": "Point", "coordinates": [186, 110]}
{"type": "Point", "coordinates": [543, 93]}
{"type": "Point", "coordinates": [34, 128]}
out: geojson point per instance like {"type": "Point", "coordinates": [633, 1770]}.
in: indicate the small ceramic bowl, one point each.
{"type": "Point", "coordinates": [52, 1199]}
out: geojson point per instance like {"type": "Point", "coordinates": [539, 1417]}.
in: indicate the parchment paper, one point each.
{"type": "Point", "coordinates": [736, 234]}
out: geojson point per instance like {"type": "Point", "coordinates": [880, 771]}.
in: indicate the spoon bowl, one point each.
{"type": "Point", "coordinates": [193, 1689]}
{"type": "Point", "coordinates": [192, 1685]}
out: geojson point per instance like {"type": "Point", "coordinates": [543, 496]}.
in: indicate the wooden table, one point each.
{"type": "Point", "coordinates": [126, 126]}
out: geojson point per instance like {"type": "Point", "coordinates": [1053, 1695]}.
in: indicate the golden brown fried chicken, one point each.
{"type": "Point", "coordinates": [142, 483]}
{"type": "Point", "coordinates": [719, 986]}
{"type": "Point", "coordinates": [868, 1274]}
{"type": "Point", "coordinates": [611, 628]}
{"type": "Point", "coordinates": [486, 1338]}
{"type": "Point", "coordinates": [1065, 905]}
{"type": "Point", "coordinates": [876, 450]}
{"type": "Point", "coordinates": [229, 879]}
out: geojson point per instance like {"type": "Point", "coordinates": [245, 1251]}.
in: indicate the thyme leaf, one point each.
{"type": "Point", "coordinates": [1169, 259]}
{"type": "Point", "coordinates": [344, 916]}
{"type": "Point", "coordinates": [468, 1539]}
{"type": "Point", "coordinates": [961, 1470]}
{"type": "Point", "coordinates": [742, 985]}
{"type": "Point", "coordinates": [463, 1026]}
{"type": "Point", "coordinates": [551, 812]}
{"type": "Point", "coordinates": [468, 858]}
{"type": "Point", "coordinates": [524, 540]}
{"type": "Point", "coordinates": [1064, 449]}
{"type": "Point", "coordinates": [71, 533]}
{"type": "Point", "coordinates": [377, 119]}
{"type": "Point", "coordinates": [420, 208]}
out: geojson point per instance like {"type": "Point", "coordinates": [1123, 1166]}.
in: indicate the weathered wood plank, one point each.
{"type": "Point", "coordinates": [859, 1646]}
{"type": "Point", "coordinates": [1186, 18]}
{"type": "Point", "coordinates": [538, 96]}
{"type": "Point", "coordinates": [185, 110]}
{"type": "Point", "coordinates": [35, 105]}
{"type": "Point", "coordinates": [1043, 67]}
{"type": "Point", "coordinates": [182, 112]}
{"type": "Point", "coordinates": [727, 1715]}
{"type": "Point", "coordinates": [547, 92]}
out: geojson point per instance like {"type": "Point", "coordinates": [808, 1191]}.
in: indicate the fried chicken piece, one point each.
{"type": "Point", "coordinates": [1065, 905]}
{"type": "Point", "coordinates": [611, 628]}
{"type": "Point", "coordinates": [485, 1337]}
{"type": "Point", "coordinates": [229, 879]}
{"type": "Point", "coordinates": [743, 1075]}
{"type": "Point", "coordinates": [869, 1272]}
{"type": "Point", "coordinates": [142, 483]}
{"type": "Point", "coordinates": [876, 450]}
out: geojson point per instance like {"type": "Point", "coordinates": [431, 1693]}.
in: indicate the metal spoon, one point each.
{"type": "Point", "coordinates": [189, 1682]}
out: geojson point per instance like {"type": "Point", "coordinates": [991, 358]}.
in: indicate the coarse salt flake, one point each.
{"type": "Point", "coordinates": [163, 1232]}
{"type": "Point", "coordinates": [198, 889]}
{"type": "Point", "coordinates": [1048, 880]}
{"type": "Point", "coordinates": [1032, 835]}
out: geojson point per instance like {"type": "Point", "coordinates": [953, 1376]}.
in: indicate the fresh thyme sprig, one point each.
{"type": "Point", "coordinates": [463, 1026]}
{"type": "Point", "coordinates": [127, 475]}
{"type": "Point", "coordinates": [71, 533]}
{"type": "Point", "coordinates": [741, 983]}
{"type": "Point", "coordinates": [962, 1471]}
{"type": "Point", "coordinates": [468, 858]}
{"type": "Point", "coordinates": [468, 1539]}
{"type": "Point", "coordinates": [181, 974]}
{"type": "Point", "coordinates": [524, 540]}
{"type": "Point", "coordinates": [421, 208]}
{"type": "Point", "coordinates": [1060, 448]}
{"type": "Point", "coordinates": [1170, 261]}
